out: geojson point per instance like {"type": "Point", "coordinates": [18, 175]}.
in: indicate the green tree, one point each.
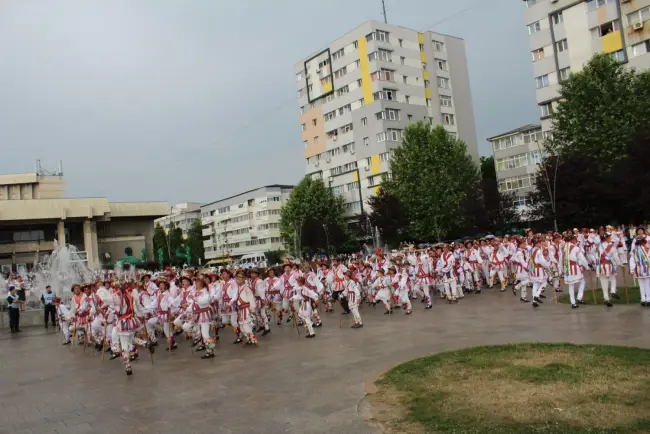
{"type": "Point", "coordinates": [500, 213]}
{"type": "Point", "coordinates": [312, 216]}
{"type": "Point", "coordinates": [600, 110]}
{"type": "Point", "coordinates": [389, 216]}
{"type": "Point", "coordinates": [195, 242]}
{"type": "Point", "coordinates": [160, 242]}
{"type": "Point", "coordinates": [273, 257]}
{"type": "Point", "coordinates": [175, 240]}
{"type": "Point", "coordinates": [431, 175]}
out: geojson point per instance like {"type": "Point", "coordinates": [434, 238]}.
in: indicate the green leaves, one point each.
{"type": "Point", "coordinates": [431, 175]}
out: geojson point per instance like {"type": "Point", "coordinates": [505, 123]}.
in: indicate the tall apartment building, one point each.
{"type": "Point", "coordinates": [244, 224]}
{"type": "Point", "coordinates": [358, 94]}
{"type": "Point", "coordinates": [517, 154]}
{"type": "Point", "coordinates": [183, 215]}
{"type": "Point", "coordinates": [564, 35]}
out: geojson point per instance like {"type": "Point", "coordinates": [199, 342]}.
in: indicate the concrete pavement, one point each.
{"type": "Point", "coordinates": [288, 384]}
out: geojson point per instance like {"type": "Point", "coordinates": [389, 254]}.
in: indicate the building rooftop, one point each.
{"type": "Point", "coordinates": [515, 131]}
{"type": "Point", "coordinates": [249, 191]}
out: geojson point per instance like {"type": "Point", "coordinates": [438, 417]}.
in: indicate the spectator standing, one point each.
{"type": "Point", "coordinates": [49, 309]}
{"type": "Point", "coordinates": [13, 302]}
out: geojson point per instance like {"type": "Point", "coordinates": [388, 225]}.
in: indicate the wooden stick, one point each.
{"type": "Point", "coordinates": [85, 337]}
{"type": "Point", "coordinates": [293, 316]}
{"type": "Point", "coordinates": [340, 313]}
{"type": "Point", "coordinates": [593, 287]}
{"type": "Point", "coordinates": [104, 340]}
{"type": "Point", "coordinates": [627, 295]}
{"type": "Point", "coordinates": [170, 329]}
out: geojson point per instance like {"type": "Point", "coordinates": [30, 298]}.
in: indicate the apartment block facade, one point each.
{"type": "Point", "coordinates": [183, 215]}
{"type": "Point", "coordinates": [564, 35]}
{"type": "Point", "coordinates": [243, 224]}
{"type": "Point", "coordinates": [358, 94]}
{"type": "Point", "coordinates": [517, 154]}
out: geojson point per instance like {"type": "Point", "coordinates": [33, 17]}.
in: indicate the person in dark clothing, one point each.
{"type": "Point", "coordinates": [49, 309]}
{"type": "Point", "coordinates": [13, 303]}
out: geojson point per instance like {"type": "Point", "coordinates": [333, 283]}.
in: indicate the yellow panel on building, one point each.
{"type": "Point", "coordinates": [421, 38]}
{"type": "Point", "coordinates": [427, 93]}
{"type": "Point", "coordinates": [376, 190]}
{"type": "Point", "coordinates": [612, 42]}
{"type": "Point", "coordinates": [366, 83]}
{"type": "Point", "coordinates": [327, 87]}
{"type": "Point", "coordinates": [355, 176]}
{"type": "Point", "coordinates": [374, 164]}
{"type": "Point", "coordinates": [423, 57]}
{"type": "Point", "coordinates": [425, 74]}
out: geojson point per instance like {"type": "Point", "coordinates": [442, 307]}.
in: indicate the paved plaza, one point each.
{"type": "Point", "coordinates": [288, 384]}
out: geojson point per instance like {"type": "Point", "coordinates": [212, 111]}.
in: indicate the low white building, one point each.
{"type": "Point", "coordinates": [183, 215]}
{"type": "Point", "coordinates": [244, 224]}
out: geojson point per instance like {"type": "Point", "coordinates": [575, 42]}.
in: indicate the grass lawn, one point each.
{"type": "Point", "coordinates": [519, 389]}
{"type": "Point", "coordinates": [633, 293]}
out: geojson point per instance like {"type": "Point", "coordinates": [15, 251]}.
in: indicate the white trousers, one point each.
{"type": "Point", "coordinates": [355, 313]}
{"type": "Point", "coordinates": [65, 329]}
{"type": "Point", "coordinates": [523, 287]}
{"type": "Point", "coordinates": [581, 290]}
{"type": "Point", "coordinates": [608, 284]}
{"type": "Point", "coordinates": [644, 285]}
{"type": "Point", "coordinates": [537, 289]}
{"type": "Point", "coordinates": [451, 289]}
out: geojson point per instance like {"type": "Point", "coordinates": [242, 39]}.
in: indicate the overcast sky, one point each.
{"type": "Point", "coordinates": [195, 100]}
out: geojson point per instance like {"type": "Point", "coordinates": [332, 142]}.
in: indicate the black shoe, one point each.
{"type": "Point", "coordinates": [207, 356]}
{"type": "Point", "coordinates": [279, 322]}
{"type": "Point", "coordinates": [154, 343]}
{"type": "Point", "coordinates": [289, 320]}
{"type": "Point", "coordinates": [542, 296]}
{"type": "Point", "coordinates": [535, 304]}
{"type": "Point", "coordinates": [429, 307]}
{"type": "Point", "coordinates": [195, 342]}
{"type": "Point", "coordinates": [524, 300]}
{"type": "Point", "coordinates": [18, 330]}
{"type": "Point", "coordinates": [114, 356]}
{"type": "Point", "coordinates": [98, 347]}
{"type": "Point", "coordinates": [108, 349]}
{"type": "Point", "coordinates": [643, 303]}
{"type": "Point", "coordinates": [266, 332]}
{"type": "Point", "coordinates": [558, 290]}
{"type": "Point", "coordinates": [408, 312]}
{"type": "Point", "coordinates": [536, 299]}
{"type": "Point", "coordinates": [478, 291]}
{"type": "Point", "coordinates": [310, 336]}
{"type": "Point", "coordinates": [608, 303]}
{"type": "Point", "coordinates": [574, 306]}
{"type": "Point", "coordinates": [129, 371]}
{"type": "Point", "coordinates": [616, 296]}
{"type": "Point", "coordinates": [200, 347]}
{"type": "Point", "coordinates": [66, 343]}
{"type": "Point", "coordinates": [390, 311]}
{"type": "Point", "coordinates": [356, 326]}
{"type": "Point", "coordinates": [172, 347]}
{"type": "Point", "coordinates": [514, 291]}
{"type": "Point", "coordinates": [581, 302]}
{"type": "Point", "coordinates": [237, 341]}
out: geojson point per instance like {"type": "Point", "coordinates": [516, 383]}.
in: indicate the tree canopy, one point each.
{"type": "Point", "coordinates": [389, 216]}
{"type": "Point", "coordinates": [195, 242]}
{"type": "Point", "coordinates": [431, 175]}
{"type": "Point", "coordinates": [312, 217]}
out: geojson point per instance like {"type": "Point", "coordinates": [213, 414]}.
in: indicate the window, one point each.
{"type": "Point", "coordinates": [410, 118]}
{"type": "Point", "coordinates": [534, 28]}
{"type": "Point", "coordinates": [316, 140]}
{"type": "Point", "coordinates": [442, 64]}
{"type": "Point", "coordinates": [438, 46]}
{"type": "Point", "coordinates": [346, 128]}
{"type": "Point", "coordinates": [421, 47]}
{"type": "Point", "coordinates": [519, 160]}
{"type": "Point", "coordinates": [306, 143]}
{"type": "Point", "coordinates": [516, 182]}
{"type": "Point", "coordinates": [314, 122]}
{"type": "Point", "coordinates": [343, 90]}
{"type": "Point", "coordinates": [530, 3]}
{"type": "Point", "coordinates": [642, 48]}
{"type": "Point", "coordinates": [618, 55]}
{"type": "Point", "coordinates": [387, 94]}
{"type": "Point", "coordinates": [542, 81]}
{"type": "Point", "coordinates": [357, 63]}
{"type": "Point", "coordinates": [426, 84]}
{"type": "Point", "coordinates": [394, 135]}
{"type": "Point", "coordinates": [604, 29]}
{"type": "Point", "coordinates": [445, 101]}
{"type": "Point", "coordinates": [338, 54]}
{"type": "Point", "coordinates": [364, 121]}
{"type": "Point", "coordinates": [338, 189]}
{"type": "Point", "coordinates": [380, 54]}
{"type": "Point", "coordinates": [340, 72]}
{"type": "Point", "coordinates": [366, 141]}
{"type": "Point", "coordinates": [381, 137]}
{"type": "Point", "coordinates": [352, 186]}
{"type": "Point", "coordinates": [329, 116]}
{"type": "Point", "coordinates": [533, 136]}
{"type": "Point", "coordinates": [558, 18]}
{"type": "Point", "coordinates": [564, 73]}
{"type": "Point", "coordinates": [428, 102]}
{"type": "Point", "coordinates": [638, 16]}
{"type": "Point", "coordinates": [382, 36]}
{"type": "Point", "coordinates": [407, 99]}
{"type": "Point", "coordinates": [383, 74]}
{"type": "Point", "coordinates": [404, 79]}
{"type": "Point", "coordinates": [355, 45]}
{"type": "Point", "coordinates": [561, 45]}
{"type": "Point", "coordinates": [547, 109]}
{"type": "Point", "coordinates": [595, 4]}
{"type": "Point", "coordinates": [348, 148]}
{"type": "Point", "coordinates": [448, 119]}
{"type": "Point", "coordinates": [392, 114]}
{"type": "Point", "coordinates": [400, 42]}
{"type": "Point", "coordinates": [384, 157]}
{"type": "Point", "coordinates": [303, 126]}
{"type": "Point", "coordinates": [402, 59]}
{"type": "Point", "coordinates": [521, 201]}
{"type": "Point", "coordinates": [538, 54]}
{"type": "Point", "coordinates": [443, 82]}
{"type": "Point", "coordinates": [345, 109]}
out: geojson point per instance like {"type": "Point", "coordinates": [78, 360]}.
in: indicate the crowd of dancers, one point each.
{"type": "Point", "coordinates": [118, 316]}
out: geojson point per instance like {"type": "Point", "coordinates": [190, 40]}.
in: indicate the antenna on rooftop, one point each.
{"type": "Point", "coordinates": [41, 171]}
{"type": "Point", "coordinates": [383, 6]}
